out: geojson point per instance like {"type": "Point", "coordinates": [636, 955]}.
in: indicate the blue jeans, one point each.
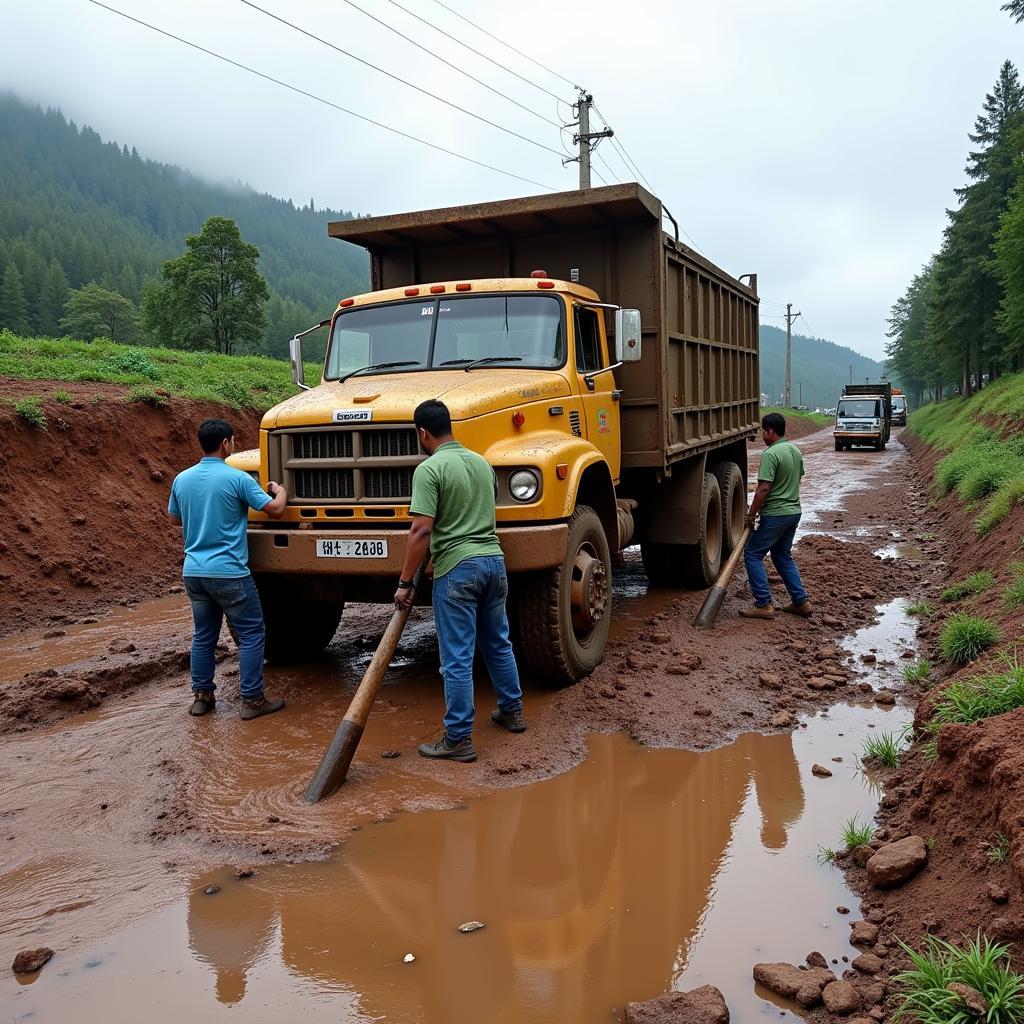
{"type": "Point", "coordinates": [773, 534]}
{"type": "Point", "coordinates": [212, 598]}
{"type": "Point", "coordinates": [469, 611]}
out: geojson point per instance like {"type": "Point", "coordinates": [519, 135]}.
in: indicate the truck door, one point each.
{"type": "Point", "coordinates": [600, 408]}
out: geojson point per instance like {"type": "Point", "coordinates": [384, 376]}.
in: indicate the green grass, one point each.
{"type": "Point", "coordinates": [1013, 595]}
{"type": "Point", "coordinates": [925, 996]}
{"type": "Point", "coordinates": [856, 834]}
{"type": "Point", "coordinates": [64, 397]}
{"type": "Point", "coordinates": [982, 696]}
{"type": "Point", "coordinates": [918, 672]}
{"type": "Point", "coordinates": [998, 848]}
{"type": "Point", "coordinates": [985, 463]}
{"type": "Point", "coordinates": [930, 751]}
{"type": "Point", "coordinates": [237, 381]}
{"type": "Point", "coordinates": [924, 608]}
{"type": "Point", "coordinates": [826, 855]}
{"type": "Point", "coordinates": [964, 637]}
{"type": "Point", "coordinates": [883, 747]}
{"type": "Point", "coordinates": [31, 412]}
{"type": "Point", "coordinates": [976, 583]}
{"type": "Point", "coordinates": [817, 418]}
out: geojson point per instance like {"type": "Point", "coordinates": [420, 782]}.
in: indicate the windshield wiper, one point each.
{"type": "Point", "coordinates": [493, 359]}
{"type": "Point", "coordinates": [455, 362]}
{"type": "Point", "coordinates": [378, 366]}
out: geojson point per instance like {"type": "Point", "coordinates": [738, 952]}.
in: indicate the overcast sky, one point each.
{"type": "Point", "coordinates": [814, 142]}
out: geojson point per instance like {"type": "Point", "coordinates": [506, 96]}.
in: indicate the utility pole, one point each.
{"type": "Point", "coordinates": [800, 400]}
{"type": "Point", "coordinates": [585, 138]}
{"type": "Point", "coordinates": [790, 317]}
{"type": "Point", "coordinates": [851, 373]}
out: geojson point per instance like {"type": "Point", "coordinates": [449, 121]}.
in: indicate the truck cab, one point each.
{"type": "Point", "coordinates": [864, 416]}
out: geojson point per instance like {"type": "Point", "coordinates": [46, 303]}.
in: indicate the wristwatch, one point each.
{"type": "Point", "coordinates": [405, 584]}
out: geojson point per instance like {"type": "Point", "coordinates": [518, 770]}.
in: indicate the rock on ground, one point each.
{"type": "Point", "coordinates": [788, 979]}
{"type": "Point", "coordinates": [28, 961]}
{"type": "Point", "coordinates": [841, 997]}
{"type": "Point", "coordinates": [704, 1005]}
{"type": "Point", "coordinates": [863, 933]}
{"type": "Point", "coordinates": [895, 863]}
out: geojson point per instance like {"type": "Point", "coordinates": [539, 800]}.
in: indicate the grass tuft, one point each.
{"type": "Point", "coordinates": [925, 995]}
{"type": "Point", "coordinates": [883, 747]}
{"type": "Point", "coordinates": [964, 637]}
{"type": "Point", "coordinates": [924, 608]}
{"type": "Point", "coordinates": [155, 397]}
{"type": "Point", "coordinates": [826, 855]}
{"type": "Point", "coordinates": [998, 848]}
{"type": "Point", "coordinates": [31, 412]}
{"type": "Point", "coordinates": [1013, 595]}
{"type": "Point", "coordinates": [918, 672]}
{"type": "Point", "coordinates": [856, 834]}
{"type": "Point", "coordinates": [984, 696]}
{"type": "Point", "coordinates": [64, 397]}
{"type": "Point", "coordinates": [976, 583]}
{"type": "Point", "coordinates": [930, 751]}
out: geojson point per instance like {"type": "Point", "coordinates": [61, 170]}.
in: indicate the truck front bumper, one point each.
{"type": "Point", "coordinates": [857, 435]}
{"type": "Point", "coordinates": [295, 551]}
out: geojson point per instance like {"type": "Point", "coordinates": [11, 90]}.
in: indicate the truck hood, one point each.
{"type": "Point", "coordinates": [394, 396]}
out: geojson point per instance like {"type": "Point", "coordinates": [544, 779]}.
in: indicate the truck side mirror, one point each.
{"type": "Point", "coordinates": [627, 335]}
{"type": "Point", "coordinates": [295, 354]}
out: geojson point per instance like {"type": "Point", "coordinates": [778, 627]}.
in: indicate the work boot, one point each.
{"type": "Point", "coordinates": [202, 702]}
{"type": "Point", "coordinates": [803, 610]}
{"type": "Point", "coordinates": [511, 720]}
{"type": "Point", "coordinates": [758, 611]}
{"type": "Point", "coordinates": [450, 750]}
{"type": "Point", "coordinates": [259, 707]}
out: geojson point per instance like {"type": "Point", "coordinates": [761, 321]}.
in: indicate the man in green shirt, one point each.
{"type": "Point", "coordinates": [454, 493]}
{"type": "Point", "coordinates": [777, 498]}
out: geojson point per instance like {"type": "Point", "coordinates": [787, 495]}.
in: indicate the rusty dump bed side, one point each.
{"type": "Point", "coordinates": [697, 385]}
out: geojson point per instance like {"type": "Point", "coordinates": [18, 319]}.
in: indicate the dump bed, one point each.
{"type": "Point", "coordinates": [697, 385]}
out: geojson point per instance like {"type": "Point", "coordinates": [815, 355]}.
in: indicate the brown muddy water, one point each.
{"type": "Point", "coordinates": [639, 871]}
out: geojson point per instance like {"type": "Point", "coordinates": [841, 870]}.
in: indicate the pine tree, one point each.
{"type": "Point", "coordinates": [13, 305]}
{"type": "Point", "coordinates": [1016, 9]}
{"type": "Point", "coordinates": [52, 298]}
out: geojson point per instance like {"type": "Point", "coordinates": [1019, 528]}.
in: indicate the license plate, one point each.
{"type": "Point", "coordinates": [351, 549]}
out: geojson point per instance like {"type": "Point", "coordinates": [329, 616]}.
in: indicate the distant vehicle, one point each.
{"type": "Point", "coordinates": [830, 412]}
{"type": "Point", "coordinates": [900, 408]}
{"type": "Point", "coordinates": [864, 416]}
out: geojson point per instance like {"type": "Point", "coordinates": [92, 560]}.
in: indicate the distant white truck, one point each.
{"type": "Point", "coordinates": [864, 416]}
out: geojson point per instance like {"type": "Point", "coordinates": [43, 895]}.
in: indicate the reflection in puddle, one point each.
{"type": "Point", "coordinates": [903, 551]}
{"type": "Point", "coordinates": [639, 871]}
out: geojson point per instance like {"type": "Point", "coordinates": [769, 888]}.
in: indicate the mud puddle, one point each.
{"type": "Point", "coordinates": [639, 871]}
{"type": "Point", "coordinates": [902, 550]}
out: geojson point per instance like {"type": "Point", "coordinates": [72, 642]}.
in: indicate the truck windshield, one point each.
{"type": "Point", "coordinates": [861, 408]}
{"type": "Point", "coordinates": [524, 330]}
{"type": "Point", "coordinates": [899, 404]}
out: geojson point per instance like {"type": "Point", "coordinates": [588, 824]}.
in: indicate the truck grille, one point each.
{"type": "Point", "coordinates": [347, 465]}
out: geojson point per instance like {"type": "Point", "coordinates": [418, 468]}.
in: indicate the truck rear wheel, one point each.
{"type": "Point", "coordinates": [734, 505]}
{"type": "Point", "coordinates": [839, 446]}
{"type": "Point", "coordinates": [694, 566]}
{"type": "Point", "coordinates": [298, 626]}
{"type": "Point", "coordinates": [563, 615]}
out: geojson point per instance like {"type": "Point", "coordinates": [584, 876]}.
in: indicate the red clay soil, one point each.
{"type": "Point", "coordinates": [83, 521]}
{"type": "Point", "coordinates": [974, 788]}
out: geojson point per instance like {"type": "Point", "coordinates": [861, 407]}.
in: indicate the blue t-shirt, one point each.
{"type": "Point", "coordinates": [212, 500]}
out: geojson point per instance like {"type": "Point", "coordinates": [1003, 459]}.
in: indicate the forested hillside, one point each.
{"type": "Point", "coordinates": [821, 367]}
{"type": "Point", "coordinates": [75, 209]}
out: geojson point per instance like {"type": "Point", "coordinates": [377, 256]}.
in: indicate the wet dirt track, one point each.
{"type": "Point", "coordinates": [626, 873]}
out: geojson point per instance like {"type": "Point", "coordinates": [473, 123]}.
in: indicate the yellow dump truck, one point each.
{"type": "Point", "coordinates": [607, 372]}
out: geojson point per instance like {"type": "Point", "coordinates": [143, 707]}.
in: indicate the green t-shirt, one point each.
{"type": "Point", "coordinates": [458, 489]}
{"type": "Point", "coordinates": [782, 465]}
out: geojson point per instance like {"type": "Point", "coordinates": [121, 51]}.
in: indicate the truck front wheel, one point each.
{"type": "Point", "coordinates": [694, 566]}
{"type": "Point", "coordinates": [298, 626]}
{"type": "Point", "coordinates": [563, 615]}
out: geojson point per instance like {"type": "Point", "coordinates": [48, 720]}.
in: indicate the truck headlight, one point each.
{"type": "Point", "coordinates": [523, 485]}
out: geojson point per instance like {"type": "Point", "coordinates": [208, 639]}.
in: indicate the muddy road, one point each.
{"type": "Point", "coordinates": [657, 827]}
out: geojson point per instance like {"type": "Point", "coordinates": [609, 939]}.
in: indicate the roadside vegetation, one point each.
{"type": "Point", "coordinates": [983, 467]}
{"type": "Point", "coordinates": [152, 374]}
{"type": "Point", "coordinates": [976, 583]}
{"type": "Point", "coordinates": [882, 748]}
{"type": "Point", "coordinates": [929, 988]}
{"type": "Point", "coordinates": [983, 696]}
{"type": "Point", "coordinates": [918, 672]}
{"type": "Point", "coordinates": [30, 410]}
{"type": "Point", "coordinates": [817, 418]}
{"type": "Point", "coordinates": [1013, 595]}
{"type": "Point", "coordinates": [964, 637]}
{"type": "Point", "coordinates": [923, 608]}
{"type": "Point", "coordinates": [857, 833]}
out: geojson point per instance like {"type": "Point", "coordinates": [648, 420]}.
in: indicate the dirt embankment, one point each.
{"type": "Point", "coordinates": [83, 504]}
{"type": "Point", "coordinates": [966, 800]}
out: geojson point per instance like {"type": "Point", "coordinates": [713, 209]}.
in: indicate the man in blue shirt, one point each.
{"type": "Point", "coordinates": [211, 500]}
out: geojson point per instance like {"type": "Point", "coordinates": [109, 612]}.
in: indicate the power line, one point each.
{"type": "Point", "coordinates": [397, 78]}
{"type": "Point", "coordinates": [503, 42]}
{"type": "Point", "coordinates": [319, 99]}
{"type": "Point", "coordinates": [617, 143]}
{"type": "Point", "coordinates": [454, 67]}
{"type": "Point", "coordinates": [473, 49]}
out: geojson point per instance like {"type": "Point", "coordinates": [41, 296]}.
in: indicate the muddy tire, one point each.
{"type": "Point", "coordinates": [693, 566]}
{"type": "Point", "coordinates": [298, 627]}
{"type": "Point", "coordinates": [734, 505]}
{"type": "Point", "coordinates": [563, 615]}
{"type": "Point", "coordinates": [839, 446]}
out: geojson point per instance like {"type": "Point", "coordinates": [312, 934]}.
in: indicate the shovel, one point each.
{"type": "Point", "coordinates": [333, 768]}
{"type": "Point", "coordinates": [713, 602]}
